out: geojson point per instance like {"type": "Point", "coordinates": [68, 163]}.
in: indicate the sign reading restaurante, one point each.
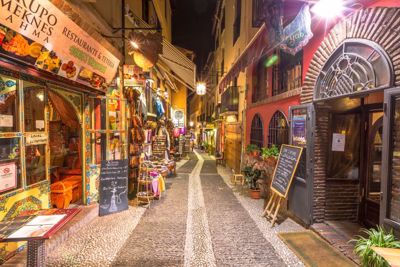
{"type": "Point", "coordinates": [38, 33]}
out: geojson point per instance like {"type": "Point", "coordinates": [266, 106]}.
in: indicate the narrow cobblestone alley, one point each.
{"type": "Point", "coordinates": [198, 222]}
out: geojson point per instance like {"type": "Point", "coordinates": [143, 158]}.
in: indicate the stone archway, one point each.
{"type": "Point", "coordinates": [378, 25]}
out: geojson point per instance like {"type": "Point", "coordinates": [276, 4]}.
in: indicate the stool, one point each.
{"type": "Point", "coordinates": [238, 178]}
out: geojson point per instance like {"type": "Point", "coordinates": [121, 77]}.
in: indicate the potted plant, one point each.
{"type": "Point", "coordinates": [253, 150]}
{"type": "Point", "coordinates": [374, 238]}
{"type": "Point", "coordinates": [270, 155]}
{"type": "Point", "coordinates": [251, 176]}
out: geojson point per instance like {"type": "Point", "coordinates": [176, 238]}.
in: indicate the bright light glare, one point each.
{"type": "Point", "coordinates": [191, 123]}
{"type": "Point", "coordinates": [328, 8]}
{"type": "Point", "coordinates": [201, 88]}
{"type": "Point", "coordinates": [134, 45]}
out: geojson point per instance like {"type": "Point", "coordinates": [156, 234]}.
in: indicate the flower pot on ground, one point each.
{"type": "Point", "coordinates": [255, 193]}
{"type": "Point", "coordinates": [251, 175]}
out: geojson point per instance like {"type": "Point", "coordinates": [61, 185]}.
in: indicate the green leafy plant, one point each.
{"type": "Point", "coordinates": [251, 175]}
{"type": "Point", "coordinates": [251, 148]}
{"type": "Point", "coordinates": [272, 151]}
{"type": "Point", "coordinates": [378, 237]}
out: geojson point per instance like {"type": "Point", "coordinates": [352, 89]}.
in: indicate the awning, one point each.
{"type": "Point", "coordinates": [184, 70]}
{"type": "Point", "coordinates": [250, 54]}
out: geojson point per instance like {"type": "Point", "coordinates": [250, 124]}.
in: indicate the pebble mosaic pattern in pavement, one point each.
{"type": "Point", "coordinates": [199, 221]}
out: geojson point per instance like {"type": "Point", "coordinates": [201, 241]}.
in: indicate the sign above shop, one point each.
{"type": "Point", "coordinates": [40, 34]}
{"type": "Point", "coordinates": [297, 34]}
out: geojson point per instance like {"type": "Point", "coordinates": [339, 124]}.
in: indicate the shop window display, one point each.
{"type": "Point", "coordinates": [34, 107]}
{"type": "Point", "coordinates": [10, 164]}
{"type": "Point", "coordinates": [8, 105]}
{"type": "Point", "coordinates": [35, 164]}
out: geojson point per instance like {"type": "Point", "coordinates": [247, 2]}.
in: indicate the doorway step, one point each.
{"type": "Point", "coordinates": [338, 234]}
{"type": "Point", "coordinates": [84, 217]}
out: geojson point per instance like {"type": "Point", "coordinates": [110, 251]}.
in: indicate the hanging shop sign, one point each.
{"type": "Point", "coordinates": [297, 34]}
{"type": "Point", "coordinates": [36, 139]}
{"type": "Point", "coordinates": [113, 189]}
{"type": "Point", "coordinates": [38, 33]}
{"type": "Point", "coordinates": [8, 176]}
{"type": "Point", "coordinates": [285, 169]}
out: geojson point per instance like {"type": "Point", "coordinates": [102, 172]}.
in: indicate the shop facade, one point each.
{"type": "Point", "coordinates": [50, 88]}
{"type": "Point", "coordinates": [347, 122]}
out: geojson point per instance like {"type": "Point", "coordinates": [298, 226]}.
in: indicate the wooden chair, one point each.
{"type": "Point", "coordinates": [220, 160]}
{"type": "Point", "coordinates": [238, 177]}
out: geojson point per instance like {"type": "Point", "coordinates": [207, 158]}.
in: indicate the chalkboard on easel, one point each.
{"type": "Point", "coordinates": [285, 169]}
{"type": "Point", "coordinates": [113, 189]}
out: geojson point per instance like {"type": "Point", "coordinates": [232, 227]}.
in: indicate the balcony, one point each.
{"type": "Point", "coordinates": [230, 101]}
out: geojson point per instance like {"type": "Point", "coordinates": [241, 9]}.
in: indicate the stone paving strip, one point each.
{"type": "Point", "coordinates": [159, 238]}
{"type": "Point", "coordinates": [254, 209]}
{"type": "Point", "coordinates": [97, 243]}
{"type": "Point", "coordinates": [198, 245]}
{"type": "Point", "coordinates": [237, 241]}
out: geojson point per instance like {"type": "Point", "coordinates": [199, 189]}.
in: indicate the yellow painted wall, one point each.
{"type": "Point", "coordinates": [15, 202]}
{"type": "Point", "coordinates": [179, 99]}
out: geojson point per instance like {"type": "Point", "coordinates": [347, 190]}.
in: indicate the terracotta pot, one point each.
{"type": "Point", "coordinates": [254, 193]}
{"type": "Point", "coordinates": [270, 161]}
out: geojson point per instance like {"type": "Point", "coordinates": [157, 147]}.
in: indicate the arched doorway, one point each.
{"type": "Point", "coordinates": [65, 145]}
{"type": "Point", "coordinates": [256, 132]}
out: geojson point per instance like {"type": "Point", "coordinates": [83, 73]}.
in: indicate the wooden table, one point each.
{"type": "Point", "coordinates": [391, 255]}
{"type": "Point", "coordinates": [36, 255]}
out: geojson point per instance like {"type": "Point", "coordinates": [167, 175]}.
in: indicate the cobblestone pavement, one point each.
{"type": "Point", "coordinates": [200, 221]}
{"type": "Point", "coordinates": [236, 239]}
{"type": "Point", "coordinates": [159, 238]}
{"type": "Point", "coordinates": [97, 243]}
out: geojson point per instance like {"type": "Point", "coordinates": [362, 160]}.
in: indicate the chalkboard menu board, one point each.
{"type": "Point", "coordinates": [113, 189]}
{"type": "Point", "coordinates": [159, 146]}
{"type": "Point", "coordinates": [285, 169]}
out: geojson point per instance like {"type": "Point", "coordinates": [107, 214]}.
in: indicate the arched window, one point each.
{"type": "Point", "coordinates": [260, 81]}
{"type": "Point", "coordinates": [357, 65]}
{"type": "Point", "coordinates": [278, 130]}
{"type": "Point", "coordinates": [256, 134]}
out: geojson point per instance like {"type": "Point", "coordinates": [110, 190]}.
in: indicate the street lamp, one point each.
{"type": "Point", "coordinates": [201, 88]}
{"type": "Point", "coordinates": [328, 8]}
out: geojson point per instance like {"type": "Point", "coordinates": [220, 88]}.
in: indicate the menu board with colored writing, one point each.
{"type": "Point", "coordinates": [113, 186]}
{"type": "Point", "coordinates": [285, 169]}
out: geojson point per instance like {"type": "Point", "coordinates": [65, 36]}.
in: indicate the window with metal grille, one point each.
{"type": "Point", "coordinates": [260, 81]}
{"type": "Point", "coordinates": [278, 130]}
{"type": "Point", "coordinates": [256, 134]}
{"type": "Point", "coordinates": [287, 73]}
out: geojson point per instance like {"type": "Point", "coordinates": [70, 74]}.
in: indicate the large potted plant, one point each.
{"type": "Point", "coordinates": [253, 150]}
{"type": "Point", "coordinates": [374, 238]}
{"type": "Point", "coordinates": [251, 175]}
